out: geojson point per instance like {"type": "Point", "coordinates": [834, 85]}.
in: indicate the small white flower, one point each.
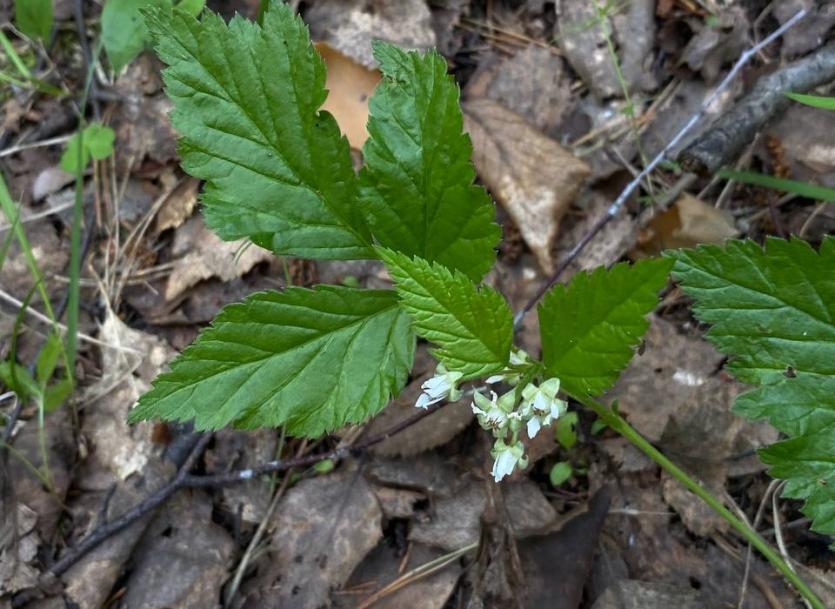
{"type": "Point", "coordinates": [493, 414]}
{"type": "Point", "coordinates": [519, 357]}
{"type": "Point", "coordinates": [507, 458]}
{"type": "Point", "coordinates": [541, 405]}
{"type": "Point", "coordinates": [440, 387]}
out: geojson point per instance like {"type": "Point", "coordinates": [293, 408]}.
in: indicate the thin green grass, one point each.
{"type": "Point", "coordinates": [803, 189]}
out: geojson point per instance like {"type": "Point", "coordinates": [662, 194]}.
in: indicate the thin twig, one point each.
{"type": "Point", "coordinates": [132, 515]}
{"type": "Point", "coordinates": [618, 204]}
{"type": "Point", "coordinates": [185, 480]}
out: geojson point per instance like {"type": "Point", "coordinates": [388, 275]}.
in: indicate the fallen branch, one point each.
{"type": "Point", "coordinates": [618, 204]}
{"type": "Point", "coordinates": [731, 132]}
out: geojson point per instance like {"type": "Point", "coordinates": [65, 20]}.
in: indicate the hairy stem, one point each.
{"type": "Point", "coordinates": [619, 424]}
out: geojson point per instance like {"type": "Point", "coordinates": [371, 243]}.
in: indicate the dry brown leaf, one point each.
{"type": "Point", "coordinates": [530, 174]}
{"type": "Point", "coordinates": [324, 527]}
{"type": "Point", "coordinates": [349, 85]}
{"type": "Point", "coordinates": [178, 206]}
{"type": "Point", "coordinates": [532, 83]}
{"type": "Point", "coordinates": [675, 395]}
{"type": "Point", "coordinates": [630, 594]}
{"type": "Point", "coordinates": [183, 558]}
{"type": "Point", "coordinates": [118, 448]}
{"type": "Point", "coordinates": [350, 25]}
{"type": "Point", "coordinates": [209, 256]}
{"type": "Point", "coordinates": [689, 222]}
{"type": "Point", "coordinates": [456, 520]}
{"type": "Point", "coordinates": [583, 40]}
{"type": "Point", "coordinates": [610, 244]}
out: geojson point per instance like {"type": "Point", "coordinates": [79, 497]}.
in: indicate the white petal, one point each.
{"type": "Point", "coordinates": [541, 403]}
{"type": "Point", "coordinates": [436, 385]}
{"type": "Point", "coordinates": [533, 427]}
{"type": "Point", "coordinates": [496, 378]}
{"type": "Point", "coordinates": [550, 387]}
{"type": "Point", "coordinates": [423, 401]}
{"type": "Point", "coordinates": [504, 465]}
{"type": "Point", "coordinates": [557, 408]}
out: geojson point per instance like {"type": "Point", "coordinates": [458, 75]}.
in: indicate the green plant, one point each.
{"type": "Point", "coordinates": [34, 18]}
{"type": "Point", "coordinates": [123, 29]}
{"type": "Point", "coordinates": [278, 172]}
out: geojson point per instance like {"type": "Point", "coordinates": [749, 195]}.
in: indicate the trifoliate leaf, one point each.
{"type": "Point", "coordinates": [123, 30]}
{"type": "Point", "coordinates": [591, 326]}
{"type": "Point", "coordinates": [312, 360]}
{"type": "Point", "coordinates": [96, 141]}
{"type": "Point", "coordinates": [417, 184]}
{"type": "Point", "coordinates": [246, 103]}
{"type": "Point", "coordinates": [773, 313]}
{"type": "Point", "coordinates": [34, 18]}
{"type": "Point", "coordinates": [472, 326]}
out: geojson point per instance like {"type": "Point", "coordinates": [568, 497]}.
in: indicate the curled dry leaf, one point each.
{"type": "Point", "coordinates": [530, 174]}
{"type": "Point", "coordinates": [350, 25]}
{"type": "Point", "coordinates": [209, 256]}
{"type": "Point", "coordinates": [349, 85]}
{"type": "Point", "coordinates": [689, 222]}
{"type": "Point", "coordinates": [178, 205]}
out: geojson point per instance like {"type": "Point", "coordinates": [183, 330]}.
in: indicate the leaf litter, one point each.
{"type": "Point", "coordinates": [339, 538]}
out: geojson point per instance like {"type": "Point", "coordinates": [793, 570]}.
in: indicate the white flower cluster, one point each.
{"type": "Point", "coordinates": [539, 407]}
{"type": "Point", "coordinates": [501, 415]}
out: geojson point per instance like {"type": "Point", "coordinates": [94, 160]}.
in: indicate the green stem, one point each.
{"type": "Point", "coordinates": [619, 424]}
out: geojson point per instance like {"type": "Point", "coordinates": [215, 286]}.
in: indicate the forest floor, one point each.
{"type": "Point", "coordinates": [564, 103]}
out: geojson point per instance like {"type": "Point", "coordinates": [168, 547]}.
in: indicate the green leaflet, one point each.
{"type": "Point", "coordinates": [123, 30]}
{"type": "Point", "coordinates": [96, 142]}
{"type": "Point", "coordinates": [246, 102]}
{"type": "Point", "coordinates": [308, 359]}
{"type": "Point", "coordinates": [773, 313]}
{"type": "Point", "coordinates": [34, 18]}
{"type": "Point", "coordinates": [472, 326]}
{"type": "Point", "coordinates": [417, 185]}
{"type": "Point", "coordinates": [591, 326]}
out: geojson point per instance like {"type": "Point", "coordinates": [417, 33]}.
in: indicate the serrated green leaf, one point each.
{"type": "Point", "coordinates": [472, 326]}
{"type": "Point", "coordinates": [123, 30]}
{"type": "Point", "coordinates": [807, 463]}
{"type": "Point", "coordinates": [246, 104]}
{"type": "Point", "coordinates": [312, 360]}
{"type": "Point", "coordinates": [771, 309]}
{"type": "Point", "coordinates": [191, 7]}
{"type": "Point", "coordinates": [773, 313]}
{"type": "Point", "coordinates": [34, 18]}
{"type": "Point", "coordinates": [417, 184]}
{"type": "Point", "coordinates": [591, 326]}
